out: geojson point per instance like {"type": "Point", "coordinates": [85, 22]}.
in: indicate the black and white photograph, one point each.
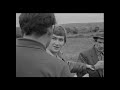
{"type": "Point", "coordinates": [60, 45]}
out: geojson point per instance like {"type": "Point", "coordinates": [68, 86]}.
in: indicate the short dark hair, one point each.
{"type": "Point", "coordinates": [60, 31]}
{"type": "Point", "coordinates": [36, 23]}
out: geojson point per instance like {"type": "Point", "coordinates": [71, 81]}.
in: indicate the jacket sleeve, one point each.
{"type": "Point", "coordinates": [81, 67]}
{"type": "Point", "coordinates": [83, 58]}
{"type": "Point", "coordinates": [76, 66]}
{"type": "Point", "coordinates": [91, 73]}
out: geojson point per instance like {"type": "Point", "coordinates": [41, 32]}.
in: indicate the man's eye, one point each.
{"type": "Point", "coordinates": [100, 42]}
{"type": "Point", "coordinates": [54, 38]}
{"type": "Point", "coordinates": [61, 40]}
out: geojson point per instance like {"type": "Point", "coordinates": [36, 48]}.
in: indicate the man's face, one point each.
{"type": "Point", "coordinates": [100, 44]}
{"type": "Point", "coordinates": [56, 43]}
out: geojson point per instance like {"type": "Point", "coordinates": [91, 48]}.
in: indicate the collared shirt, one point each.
{"type": "Point", "coordinates": [99, 54]}
{"type": "Point", "coordinates": [57, 55]}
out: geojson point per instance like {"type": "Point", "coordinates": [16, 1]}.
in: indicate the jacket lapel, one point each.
{"type": "Point", "coordinates": [95, 58]}
{"type": "Point", "coordinates": [92, 57]}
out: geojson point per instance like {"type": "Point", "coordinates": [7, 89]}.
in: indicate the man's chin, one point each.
{"type": "Point", "coordinates": [56, 50]}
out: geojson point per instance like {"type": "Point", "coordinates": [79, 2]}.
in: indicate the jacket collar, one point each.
{"type": "Point", "coordinates": [23, 42]}
{"type": "Point", "coordinates": [48, 51]}
{"type": "Point", "coordinates": [96, 50]}
{"type": "Point", "coordinates": [58, 54]}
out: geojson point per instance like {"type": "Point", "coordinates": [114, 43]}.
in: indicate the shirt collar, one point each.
{"type": "Point", "coordinates": [96, 50]}
{"type": "Point", "coordinates": [58, 54]}
{"type": "Point", "coordinates": [48, 51]}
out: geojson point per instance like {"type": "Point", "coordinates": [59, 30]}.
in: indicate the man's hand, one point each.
{"type": "Point", "coordinates": [99, 65]}
{"type": "Point", "coordinates": [90, 66]}
{"type": "Point", "coordinates": [86, 75]}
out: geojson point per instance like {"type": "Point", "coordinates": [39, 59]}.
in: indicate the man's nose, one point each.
{"type": "Point", "coordinates": [57, 42]}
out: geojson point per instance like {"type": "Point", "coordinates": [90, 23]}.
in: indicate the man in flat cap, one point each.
{"type": "Point", "coordinates": [95, 57]}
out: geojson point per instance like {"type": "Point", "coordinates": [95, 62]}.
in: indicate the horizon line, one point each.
{"type": "Point", "coordinates": [76, 23]}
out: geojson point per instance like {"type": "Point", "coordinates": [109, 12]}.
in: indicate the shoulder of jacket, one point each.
{"type": "Point", "coordinates": [87, 51]}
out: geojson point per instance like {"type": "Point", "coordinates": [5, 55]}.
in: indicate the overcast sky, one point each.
{"type": "Point", "coordinates": [63, 18]}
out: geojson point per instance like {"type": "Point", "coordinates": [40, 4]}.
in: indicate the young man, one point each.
{"type": "Point", "coordinates": [32, 60]}
{"type": "Point", "coordinates": [94, 57]}
{"type": "Point", "coordinates": [58, 40]}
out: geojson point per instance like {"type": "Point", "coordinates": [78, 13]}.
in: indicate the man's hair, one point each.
{"type": "Point", "coordinates": [36, 23]}
{"type": "Point", "coordinates": [60, 31]}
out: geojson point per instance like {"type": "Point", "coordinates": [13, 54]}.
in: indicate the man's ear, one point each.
{"type": "Point", "coordinates": [64, 44]}
{"type": "Point", "coordinates": [48, 43]}
{"type": "Point", "coordinates": [96, 44]}
{"type": "Point", "coordinates": [50, 31]}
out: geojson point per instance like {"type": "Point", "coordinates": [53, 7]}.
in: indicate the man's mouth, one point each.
{"type": "Point", "coordinates": [56, 47]}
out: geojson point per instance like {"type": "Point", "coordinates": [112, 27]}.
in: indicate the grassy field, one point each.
{"type": "Point", "coordinates": [76, 45]}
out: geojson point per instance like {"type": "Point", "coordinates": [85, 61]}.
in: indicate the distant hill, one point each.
{"type": "Point", "coordinates": [85, 27]}
{"type": "Point", "coordinates": [79, 25]}
{"type": "Point", "coordinates": [78, 29]}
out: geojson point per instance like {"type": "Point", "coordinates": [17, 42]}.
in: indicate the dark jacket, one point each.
{"type": "Point", "coordinates": [33, 61]}
{"type": "Point", "coordinates": [90, 57]}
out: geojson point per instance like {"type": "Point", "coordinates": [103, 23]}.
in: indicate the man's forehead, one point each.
{"type": "Point", "coordinates": [58, 36]}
